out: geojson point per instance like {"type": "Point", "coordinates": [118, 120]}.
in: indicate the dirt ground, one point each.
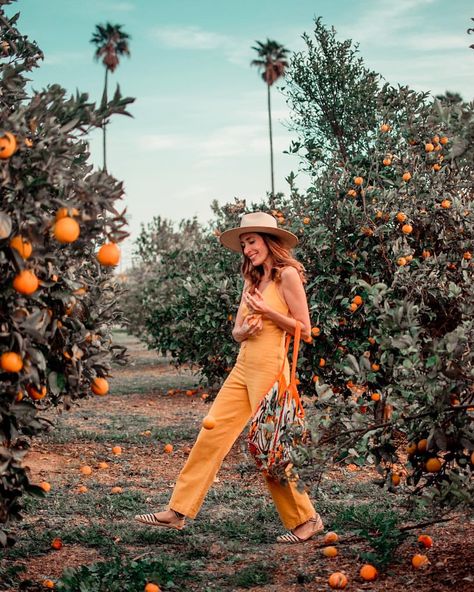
{"type": "Point", "coordinates": [140, 415]}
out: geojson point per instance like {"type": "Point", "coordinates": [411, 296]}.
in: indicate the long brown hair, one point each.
{"type": "Point", "coordinates": [282, 257]}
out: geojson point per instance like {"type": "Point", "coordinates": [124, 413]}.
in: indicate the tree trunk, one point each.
{"type": "Point", "coordinates": [104, 125]}
{"type": "Point", "coordinates": [272, 196]}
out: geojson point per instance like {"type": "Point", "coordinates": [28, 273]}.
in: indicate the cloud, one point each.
{"type": "Point", "coordinates": [66, 57]}
{"type": "Point", "coordinates": [189, 37]}
{"type": "Point", "coordinates": [156, 142]}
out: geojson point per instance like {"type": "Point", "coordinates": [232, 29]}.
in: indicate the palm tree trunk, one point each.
{"type": "Point", "coordinates": [104, 125]}
{"type": "Point", "coordinates": [272, 196]}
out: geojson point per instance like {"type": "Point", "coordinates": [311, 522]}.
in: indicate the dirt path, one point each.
{"type": "Point", "coordinates": [231, 544]}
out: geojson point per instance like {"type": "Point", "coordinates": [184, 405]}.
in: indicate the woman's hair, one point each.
{"type": "Point", "coordinates": [282, 258]}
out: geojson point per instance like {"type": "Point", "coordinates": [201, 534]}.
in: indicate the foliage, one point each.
{"type": "Point", "coordinates": [61, 331]}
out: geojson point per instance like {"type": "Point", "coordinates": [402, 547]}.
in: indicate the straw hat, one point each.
{"type": "Point", "coordinates": [256, 222]}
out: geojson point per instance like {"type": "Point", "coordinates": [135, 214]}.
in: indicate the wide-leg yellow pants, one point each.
{"type": "Point", "coordinates": [234, 405]}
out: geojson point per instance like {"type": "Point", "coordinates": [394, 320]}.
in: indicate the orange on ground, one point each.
{"type": "Point", "coordinates": [23, 246]}
{"type": "Point", "coordinates": [66, 230]}
{"type": "Point", "coordinates": [45, 486]}
{"type": "Point", "coordinates": [433, 465]}
{"type": "Point", "coordinates": [329, 552]}
{"type": "Point", "coordinates": [419, 561]}
{"type": "Point", "coordinates": [8, 145]}
{"type": "Point", "coordinates": [406, 176]}
{"type": "Point", "coordinates": [205, 396]}
{"type": "Point", "coordinates": [11, 362]}
{"type": "Point", "coordinates": [425, 540]}
{"type": "Point", "coordinates": [82, 489]}
{"type": "Point", "coordinates": [446, 204]}
{"type": "Point", "coordinates": [117, 450]}
{"type": "Point", "coordinates": [152, 588]}
{"type": "Point", "coordinates": [331, 537]}
{"type": "Point", "coordinates": [26, 282]}
{"type": "Point", "coordinates": [35, 393]}
{"type": "Point", "coordinates": [395, 479]}
{"type": "Point", "coordinates": [208, 423]}
{"type": "Point", "coordinates": [375, 396]}
{"type": "Point", "coordinates": [109, 255]}
{"type": "Point", "coordinates": [48, 584]}
{"type": "Point", "coordinates": [116, 489]}
{"type": "Point", "coordinates": [315, 331]}
{"type": "Point", "coordinates": [358, 180]}
{"type": "Point", "coordinates": [103, 465]}
{"type": "Point", "coordinates": [56, 544]}
{"type": "Point", "coordinates": [99, 386]}
{"type": "Point", "coordinates": [86, 470]}
{"type": "Point", "coordinates": [337, 580]}
{"type": "Point", "coordinates": [422, 445]}
{"type": "Point", "coordinates": [407, 229]}
{"type": "Point", "coordinates": [168, 448]}
{"type": "Point", "coordinates": [368, 573]}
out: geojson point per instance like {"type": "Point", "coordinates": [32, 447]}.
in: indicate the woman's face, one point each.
{"type": "Point", "coordinates": [254, 247]}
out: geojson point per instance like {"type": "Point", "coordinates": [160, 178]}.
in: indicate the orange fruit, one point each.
{"type": "Point", "coordinates": [406, 176]}
{"type": "Point", "coordinates": [467, 255]}
{"type": "Point", "coordinates": [322, 362]}
{"type": "Point", "coordinates": [21, 245]}
{"type": "Point", "coordinates": [367, 231]}
{"type": "Point", "coordinates": [117, 450]}
{"type": "Point", "coordinates": [401, 261]}
{"type": "Point", "coordinates": [11, 362]}
{"type": "Point", "coordinates": [446, 204]}
{"type": "Point", "coordinates": [103, 465]}
{"type": "Point", "coordinates": [168, 448]}
{"type": "Point", "coordinates": [395, 479]}
{"type": "Point", "coordinates": [56, 544]}
{"type": "Point", "coordinates": [419, 561]}
{"type": "Point", "coordinates": [429, 147]}
{"type": "Point", "coordinates": [358, 180]}
{"type": "Point", "coordinates": [436, 167]}
{"type": "Point", "coordinates": [375, 396]}
{"type": "Point", "coordinates": [205, 396]}
{"type": "Point", "coordinates": [152, 588]}
{"type": "Point", "coordinates": [352, 193]}
{"type": "Point", "coordinates": [444, 140]}
{"type": "Point", "coordinates": [422, 445]}
{"type": "Point", "coordinates": [357, 300]}
{"type": "Point", "coordinates": [407, 229]}
{"type": "Point", "coordinates": [315, 378]}
{"type": "Point", "coordinates": [426, 254]}
{"type": "Point", "coordinates": [401, 217]}
{"type": "Point", "coordinates": [433, 465]}
{"type": "Point", "coordinates": [331, 537]}
{"type": "Point", "coordinates": [66, 230]}
{"type": "Point", "coordinates": [368, 573]}
{"type": "Point", "coordinates": [315, 331]}
{"type": "Point", "coordinates": [35, 393]}
{"type": "Point", "coordinates": [109, 255]}
{"type": "Point", "coordinates": [99, 386]}
{"type": "Point", "coordinates": [337, 580]}
{"type": "Point", "coordinates": [26, 282]}
{"type": "Point", "coordinates": [64, 212]}
{"type": "Point", "coordinates": [425, 540]}
{"type": "Point", "coordinates": [82, 489]}
{"type": "Point", "coordinates": [86, 470]}
{"type": "Point", "coordinates": [411, 448]}
{"type": "Point", "coordinates": [375, 367]}
{"type": "Point", "coordinates": [384, 128]}
{"type": "Point", "coordinates": [8, 145]}
{"type": "Point", "coordinates": [48, 584]}
{"type": "Point", "coordinates": [371, 340]}
{"type": "Point", "coordinates": [306, 220]}
{"type": "Point", "coordinates": [387, 161]}
{"type": "Point", "coordinates": [329, 551]}
{"type": "Point", "coordinates": [116, 489]}
{"type": "Point", "coordinates": [353, 307]}
{"type": "Point", "coordinates": [45, 486]}
{"type": "Point", "coordinates": [208, 422]}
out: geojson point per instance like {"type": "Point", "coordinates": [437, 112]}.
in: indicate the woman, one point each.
{"type": "Point", "coordinates": [273, 302]}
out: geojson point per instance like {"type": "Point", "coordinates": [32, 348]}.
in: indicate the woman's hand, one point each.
{"type": "Point", "coordinates": [256, 303]}
{"type": "Point", "coordinates": [251, 325]}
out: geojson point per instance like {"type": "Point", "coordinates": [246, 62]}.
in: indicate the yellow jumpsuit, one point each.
{"type": "Point", "coordinates": [259, 361]}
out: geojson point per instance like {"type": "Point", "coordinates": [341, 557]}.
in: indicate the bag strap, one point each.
{"type": "Point", "coordinates": [296, 347]}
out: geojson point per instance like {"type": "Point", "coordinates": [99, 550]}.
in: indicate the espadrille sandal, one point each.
{"type": "Point", "coordinates": [151, 520]}
{"type": "Point", "coordinates": [291, 538]}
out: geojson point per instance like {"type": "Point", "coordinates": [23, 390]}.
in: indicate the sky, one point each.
{"type": "Point", "coordinates": [199, 130]}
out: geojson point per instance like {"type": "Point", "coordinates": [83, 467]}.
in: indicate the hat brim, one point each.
{"type": "Point", "coordinates": [231, 238]}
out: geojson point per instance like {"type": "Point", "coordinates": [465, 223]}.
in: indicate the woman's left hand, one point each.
{"type": "Point", "coordinates": [256, 302]}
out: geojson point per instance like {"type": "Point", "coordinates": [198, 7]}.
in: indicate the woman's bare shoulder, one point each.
{"type": "Point", "coordinates": [289, 275]}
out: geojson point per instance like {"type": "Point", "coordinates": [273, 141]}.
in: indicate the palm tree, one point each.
{"type": "Point", "coordinates": [111, 43]}
{"type": "Point", "coordinates": [272, 61]}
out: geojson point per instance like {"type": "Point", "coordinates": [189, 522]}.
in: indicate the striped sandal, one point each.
{"type": "Point", "coordinates": [291, 538]}
{"type": "Point", "coordinates": [152, 520]}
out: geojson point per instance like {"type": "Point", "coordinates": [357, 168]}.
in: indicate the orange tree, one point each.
{"type": "Point", "coordinates": [387, 238]}
{"type": "Point", "coordinates": [57, 301]}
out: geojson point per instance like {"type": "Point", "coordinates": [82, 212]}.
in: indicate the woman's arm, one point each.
{"type": "Point", "coordinates": [293, 292]}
